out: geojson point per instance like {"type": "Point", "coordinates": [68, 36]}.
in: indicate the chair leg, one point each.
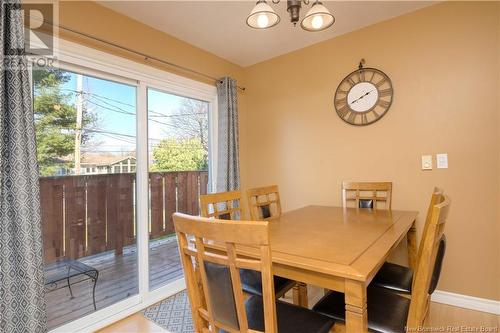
{"type": "Point", "coordinates": [295, 292]}
{"type": "Point", "coordinates": [303, 295]}
{"type": "Point", "coordinates": [300, 294]}
{"type": "Point", "coordinates": [427, 308]}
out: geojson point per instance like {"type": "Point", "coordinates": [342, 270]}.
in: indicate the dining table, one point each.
{"type": "Point", "coordinates": [338, 249]}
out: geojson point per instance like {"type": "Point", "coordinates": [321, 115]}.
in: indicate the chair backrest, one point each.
{"type": "Point", "coordinates": [426, 274]}
{"type": "Point", "coordinates": [437, 195]}
{"type": "Point", "coordinates": [212, 277]}
{"type": "Point", "coordinates": [223, 206]}
{"type": "Point", "coordinates": [264, 202]}
{"type": "Point", "coordinates": [366, 194]}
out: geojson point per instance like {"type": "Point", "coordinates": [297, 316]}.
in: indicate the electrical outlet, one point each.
{"type": "Point", "coordinates": [426, 162]}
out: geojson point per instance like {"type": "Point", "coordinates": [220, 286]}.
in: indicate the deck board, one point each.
{"type": "Point", "coordinates": [117, 280]}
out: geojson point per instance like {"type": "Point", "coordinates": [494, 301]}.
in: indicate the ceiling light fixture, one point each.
{"type": "Point", "coordinates": [318, 18]}
{"type": "Point", "coordinates": [262, 16]}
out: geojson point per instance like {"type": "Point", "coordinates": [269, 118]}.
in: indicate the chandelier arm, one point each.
{"type": "Point", "coordinates": [276, 2]}
{"type": "Point", "coordinates": [306, 2]}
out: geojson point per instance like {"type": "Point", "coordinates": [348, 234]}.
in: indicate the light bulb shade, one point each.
{"type": "Point", "coordinates": [262, 16]}
{"type": "Point", "coordinates": [318, 18]}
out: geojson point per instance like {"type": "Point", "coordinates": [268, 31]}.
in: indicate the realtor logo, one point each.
{"type": "Point", "coordinates": [38, 19]}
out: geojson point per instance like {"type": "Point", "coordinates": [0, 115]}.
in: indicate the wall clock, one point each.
{"type": "Point", "coordinates": [364, 96]}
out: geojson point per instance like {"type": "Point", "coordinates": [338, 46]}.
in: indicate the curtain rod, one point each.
{"type": "Point", "coordinates": [144, 55]}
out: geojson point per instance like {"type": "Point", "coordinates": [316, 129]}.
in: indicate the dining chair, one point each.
{"type": "Point", "coordinates": [399, 278]}
{"type": "Point", "coordinates": [227, 206]}
{"type": "Point", "coordinates": [366, 194]}
{"type": "Point", "coordinates": [216, 298]}
{"type": "Point", "coordinates": [264, 202]}
{"type": "Point", "coordinates": [222, 205]}
{"type": "Point", "coordinates": [389, 312]}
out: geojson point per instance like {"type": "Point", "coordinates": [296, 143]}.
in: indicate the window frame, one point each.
{"type": "Point", "coordinates": [88, 61]}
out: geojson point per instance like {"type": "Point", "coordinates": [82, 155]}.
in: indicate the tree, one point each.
{"type": "Point", "coordinates": [55, 120]}
{"type": "Point", "coordinates": [179, 155]}
{"type": "Point", "coordinates": [191, 121]}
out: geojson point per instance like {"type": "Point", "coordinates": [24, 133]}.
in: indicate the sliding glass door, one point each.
{"type": "Point", "coordinates": [121, 147]}
{"type": "Point", "coordinates": [178, 153]}
{"type": "Point", "coordinates": [86, 140]}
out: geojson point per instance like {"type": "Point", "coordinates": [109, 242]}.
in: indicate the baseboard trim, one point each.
{"type": "Point", "coordinates": [467, 302]}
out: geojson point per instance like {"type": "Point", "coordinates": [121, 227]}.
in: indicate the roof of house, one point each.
{"type": "Point", "coordinates": [98, 159]}
{"type": "Point", "coordinates": [104, 160]}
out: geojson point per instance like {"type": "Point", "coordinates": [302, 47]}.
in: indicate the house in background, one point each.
{"type": "Point", "coordinates": [96, 164]}
{"type": "Point", "coordinates": [99, 164]}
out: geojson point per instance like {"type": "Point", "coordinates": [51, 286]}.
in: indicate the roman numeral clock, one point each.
{"type": "Point", "coordinates": [364, 96]}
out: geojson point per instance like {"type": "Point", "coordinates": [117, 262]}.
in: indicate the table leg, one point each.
{"type": "Point", "coordinates": [411, 238]}
{"type": "Point", "coordinates": [356, 314]}
{"type": "Point", "coordinates": [93, 290]}
{"type": "Point", "coordinates": [69, 284]}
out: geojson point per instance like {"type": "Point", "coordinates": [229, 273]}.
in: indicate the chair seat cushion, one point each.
{"type": "Point", "coordinates": [251, 282]}
{"type": "Point", "coordinates": [291, 318]}
{"type": "Point", "coordinates": [387, 311]}
{"type": "Point", "coordinates": [394, 277]}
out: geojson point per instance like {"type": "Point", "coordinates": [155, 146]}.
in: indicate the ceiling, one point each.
{"type": "Point", "coordinates": [219, 26]}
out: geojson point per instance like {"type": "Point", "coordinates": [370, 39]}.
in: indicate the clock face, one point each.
{"type": "Point", "coordinates": [364, 96]}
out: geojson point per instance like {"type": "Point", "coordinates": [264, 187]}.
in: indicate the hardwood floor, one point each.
{"type": "Point", "coordinates": [442, 318]}
{"type": "Point", "coordinates": [117, 281]}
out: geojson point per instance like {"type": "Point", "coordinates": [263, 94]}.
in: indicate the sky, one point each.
{"type": "Point", "coordinates": [114, 104]}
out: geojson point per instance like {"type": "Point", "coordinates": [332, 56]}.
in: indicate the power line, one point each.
{"type": "Point", "coordinates": [110, 109]}
{"type": "Point", "coordinates": [158, 114]}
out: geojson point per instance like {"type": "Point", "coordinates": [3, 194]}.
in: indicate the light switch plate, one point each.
{"type": "Point", "coordinates": [426, 162]}
{"type": "Point", "coordinates": [442, 161]}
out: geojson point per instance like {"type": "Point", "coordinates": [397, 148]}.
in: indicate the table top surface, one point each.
{"type": "Point", "coordinates": [346, 242]}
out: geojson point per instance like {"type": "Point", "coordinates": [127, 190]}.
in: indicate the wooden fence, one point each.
{"type": "Point", "coordinates": [85, 215]}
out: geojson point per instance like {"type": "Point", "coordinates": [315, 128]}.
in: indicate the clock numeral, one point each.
{"type": "Point", "coordinates": [340, 91]}
{"type": "Point", "coordinates": [385, 92]}
{"type": "Point", "coordinates": [352, 117]}
{"type": "Point", "coordinates": [383, 104]}
{"type": "Point", "coordinates": [343, 111]}
{"type": "Point", "coordinates": [381, 82]}
{"type": "Point", "coordinates": [364, 119]}
{"type": "Point", "coordinates": [361, 75]}
{"type": "Point", "coordinates": [341, 101]}
{"type": "Point", "coordinates": [372, 77]}
{"type": "Point", "coordinates": [375, 114]}
{"type": "Point", "coordinates": [351, 81]}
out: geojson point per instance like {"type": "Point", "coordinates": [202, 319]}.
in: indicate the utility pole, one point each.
{"type": "Point", "coordinates": [79, 121]}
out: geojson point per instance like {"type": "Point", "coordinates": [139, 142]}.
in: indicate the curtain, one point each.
{"type": "Point", "coordinates": [228, 165]}
{"type": "Point", "coordinates": [22, 302]}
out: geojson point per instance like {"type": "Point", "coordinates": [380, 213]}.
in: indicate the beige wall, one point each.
{"type": "Point", "coordinates": [443, 61]}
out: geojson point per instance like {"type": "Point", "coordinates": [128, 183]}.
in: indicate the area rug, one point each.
{"type": "Point", "coordinates": [173, 314]}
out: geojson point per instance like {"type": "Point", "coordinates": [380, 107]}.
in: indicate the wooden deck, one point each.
{"type": "Point", "coordinates": [117, 280]}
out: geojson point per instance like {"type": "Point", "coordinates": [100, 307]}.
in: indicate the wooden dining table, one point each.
{"type": "Point", "coordinates": [338, 249]}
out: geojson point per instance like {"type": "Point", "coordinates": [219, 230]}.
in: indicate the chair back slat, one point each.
{"type": "Point", "coordinates": [264, 202]}
{"type": "Point", "coordinates": [212, 275]}
{"type": "Point", "coordinates": [425, 274]}
{"type": "Point", "coordinates": [366, 194]}
{"type": "Point", "coordinates": [223, 205]}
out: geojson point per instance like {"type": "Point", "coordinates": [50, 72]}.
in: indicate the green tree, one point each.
{"type": "Point", "coordinates": [55, 120]}
{"type": "Point", "coordinates": [179, 155]}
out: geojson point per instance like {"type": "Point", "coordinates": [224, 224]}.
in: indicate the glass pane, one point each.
{"type": "Point", "coordinates": [86, 140]}
{"type": "Point", "coordinates": [178, 174]}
